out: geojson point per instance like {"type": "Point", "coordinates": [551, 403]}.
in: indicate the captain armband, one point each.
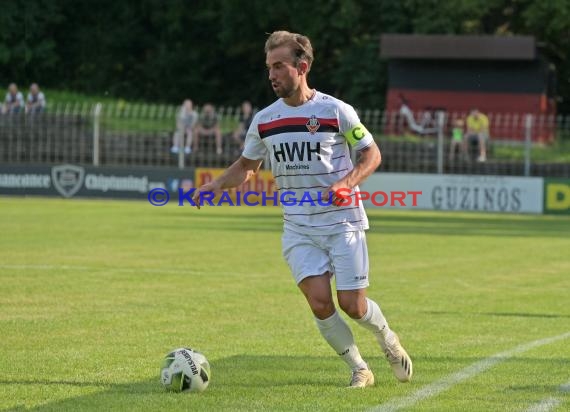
{"type": "Point", "coordinates": [356, 134]}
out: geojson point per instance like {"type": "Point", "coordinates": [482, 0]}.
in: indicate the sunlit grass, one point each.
{"type": "Point", "coordinates": [94, 293]}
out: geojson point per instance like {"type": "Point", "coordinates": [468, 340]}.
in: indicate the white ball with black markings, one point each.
{"type": "Point", "coordinates": [185, 370]}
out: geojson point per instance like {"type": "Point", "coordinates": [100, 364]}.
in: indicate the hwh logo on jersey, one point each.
{"type": "Point", "coordinates": [287, 151]}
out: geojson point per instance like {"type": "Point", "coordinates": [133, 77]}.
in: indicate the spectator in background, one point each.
{"type": "Point", "coordinates": [426, 126]}
{"type": "Point", "coordinates": [478, 128]}
{"type": "Point", "coordinates": [36, 101]}
{"type": "Point", "coordinates": [14, 100]}
{"type": "Point", "coordinates": [457, 141]}
{"type": "Point", "coordinates": [185, 122]}
{"type": "Point", "coordinates": [208, 127]}
{"type": "Point", "coordinates": [245, 119]}
{"type": "Point", "coordinates": [406, 114]}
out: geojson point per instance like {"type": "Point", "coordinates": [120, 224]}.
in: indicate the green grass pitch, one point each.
{"type": "Point", "coordinates": [94, 293]}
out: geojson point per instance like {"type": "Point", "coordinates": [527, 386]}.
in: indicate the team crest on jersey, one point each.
{"type": "Point", "coordinates": [313, 124]}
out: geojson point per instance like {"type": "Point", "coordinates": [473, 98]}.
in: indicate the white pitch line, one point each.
{"type": "Point", "coordinates": [544, 405]}
{"type": "Point", "coordinates": [445, 383]}
{"type": "Point", "coordinates": [548, 404]}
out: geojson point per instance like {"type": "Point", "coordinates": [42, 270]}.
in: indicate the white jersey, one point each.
{"type": "Point", "coordinates": [308, 148]}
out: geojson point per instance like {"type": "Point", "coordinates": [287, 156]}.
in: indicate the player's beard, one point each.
{"type": "Point", "coordinates": [284, 91]}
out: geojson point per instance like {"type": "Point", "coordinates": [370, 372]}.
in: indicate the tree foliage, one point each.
{"type": "Point", "coordinates": [213, 50]}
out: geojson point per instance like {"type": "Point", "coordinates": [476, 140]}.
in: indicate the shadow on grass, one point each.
{"type": "Point", "coordinates": [241, 381]}
{"type": "Point", "coordinates": [233, 380]}
{"type": "Point", "coordinates": [476, 225]}
{"type": "Point", "coordinates": [504, 314]}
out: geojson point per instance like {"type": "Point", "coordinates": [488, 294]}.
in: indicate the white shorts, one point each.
{"type": "Point", "coordinates": [343, 254]}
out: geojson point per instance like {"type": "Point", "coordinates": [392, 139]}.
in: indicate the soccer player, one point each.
{"type": "Point", "coordinates": [305, 133]}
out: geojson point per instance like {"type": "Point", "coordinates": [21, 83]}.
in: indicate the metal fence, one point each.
{"type": "Point", "coordinates": [122, 134]}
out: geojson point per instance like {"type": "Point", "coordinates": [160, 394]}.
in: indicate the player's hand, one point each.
{"type": "Point", "coordinates": [211, 187]}
{"type": "Point", "coordinates": [337, 193]}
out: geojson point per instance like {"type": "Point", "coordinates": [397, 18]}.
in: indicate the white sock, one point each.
{"type": "Point", "coordinates": [337, 333]}
{"type": "Point", "coordinates": [375, 322]}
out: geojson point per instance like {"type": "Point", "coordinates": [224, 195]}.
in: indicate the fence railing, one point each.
{"type": "Point", "coordinates": [123, 134]}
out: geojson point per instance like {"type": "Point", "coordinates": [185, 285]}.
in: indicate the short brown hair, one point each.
{"type": "Point", "coordinates": [300, 45]}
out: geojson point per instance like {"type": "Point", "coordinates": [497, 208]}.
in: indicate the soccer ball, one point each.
{"type": "Point", "coordinates": [185, 370]}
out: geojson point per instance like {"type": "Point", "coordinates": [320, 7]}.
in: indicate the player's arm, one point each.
{"type": "Point", "coordinates": [239, 172]}
{"type": "Point", "coordinates": [361, 140]}
{"type": "Point", "coordinates": [368, 161]}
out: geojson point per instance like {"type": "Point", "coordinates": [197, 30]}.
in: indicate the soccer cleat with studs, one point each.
{"type": "Point", "coordinates": [361, 378]}
{"type": "Point", "coordinates": [398, 358]}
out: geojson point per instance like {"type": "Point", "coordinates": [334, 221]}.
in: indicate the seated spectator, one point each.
{"type": "Point", "coordinates": [245, 119]}
{"type": "Point", "coordinates": [426, 126]}
{"type": "Point", "coordinates": [457, 141]}
{"type": "Point", "coordinates": [14, 100]}
{"type": "Point", "coordinates": [478, 128]}
{"type": "Point", "coordinates": [36, 101]}
{"type": "Point", "coordinates": [185, 122]}
{"type": "Point", "coordinates": [208, 127]}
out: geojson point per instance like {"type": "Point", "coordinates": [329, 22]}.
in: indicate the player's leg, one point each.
{"type": "Point", "coordinates": [350, 260]}
{"type": "Point", "coordinates": [305, 259]}
{"type": "Point", "coordinates": [317, 291]}
{"type": "Point", "coordinates": [334, 329]}
{"type": "Point", "coordinates": [372, 318]}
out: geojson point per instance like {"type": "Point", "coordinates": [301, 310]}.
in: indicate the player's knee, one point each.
{"type": "Point", "coordinates": [352, 307]}
{"type": "Point", "coordinates": [321, 308]}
